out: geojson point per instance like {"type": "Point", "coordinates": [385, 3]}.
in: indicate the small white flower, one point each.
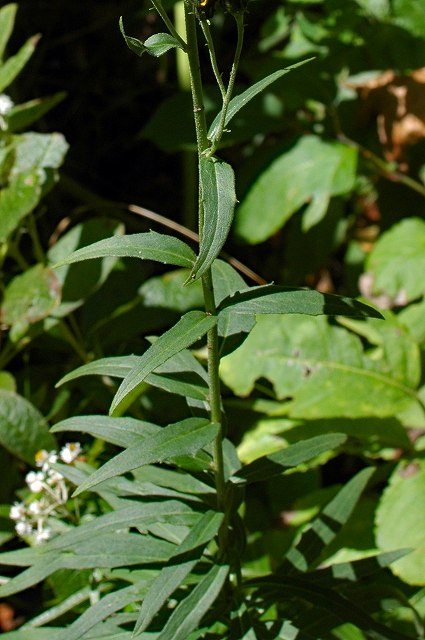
{"type": "Point", "coordinates": [36, 507]}
{"type": "Point", "coordinates": [35, 480]}
{"type": "Point", "coordinates": [70, 452]}
{"type": "Point", "coordinates": [42, 535]}
{"type": "Point", "coordinates": [53, 477]}
{"type": "Point", "coordinates": [17, 511]}
{"type": "Point", "coordinates": [6, 103]}
{"type": "Point", "coordinates": [23, 528]}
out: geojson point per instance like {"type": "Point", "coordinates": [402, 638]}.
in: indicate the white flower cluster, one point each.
{"type": "Point", "coordinates": [31, 517]}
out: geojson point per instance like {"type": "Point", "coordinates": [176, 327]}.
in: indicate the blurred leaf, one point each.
{"type": "Point", "coordinates": [397, 261]}
{"type": "Point", "coordinates": [23, 430]}
{"type": "Point", "coordinates": [276, 463]}
{"type": "Point", "coordinates": [192, 326]}
{"type": "Point", "coordinates": [190, 611]}
{"type": "Point", "coordinates": [182, 438]}
{"type": "Point", "coordinates": [37, 155]}
{"type": "Point", "coordinates": [179, 566]}
{"type": "Point", "coordinates": [22, 115]}
{"type": "Point", "coordinates": [13, 66]}
{"type": "Point", "coordinates": [400, 520]}
{"type": "Point", "coordinates": [7, 381]}
{"type": "Point", "coordinates": [320, 370]}
{"type": "Point", "coordinates": [219, 199]}
{"type": "Point", "coordinates": [310, 173]}
{"type": "Point", "coordinates": [282, 300]}
{"type": "Point", "coordinates": [30, 297]}
{"type": "Point", "coordinates": [410, 14]}
{"type": "Point", "coordinates": [145, 246]}
{"type": "Point", "coordinates": [7, 21]}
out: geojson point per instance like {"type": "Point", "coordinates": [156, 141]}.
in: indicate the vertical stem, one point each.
{"type": "Point", "coordinates": [207, 283]}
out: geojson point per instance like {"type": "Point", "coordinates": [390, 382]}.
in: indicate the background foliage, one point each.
{"type": "Point", "coordinates": [330, 179]}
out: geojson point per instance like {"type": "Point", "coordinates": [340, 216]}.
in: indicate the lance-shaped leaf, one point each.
{"type": "Point", "coordinates": [7, 21]}
{"type": "Point", "coordinates": [242, 99]}
{"type": "Point", "coordinates": [145, 246]}
{"type": "Point", "coordinates": [116, 367]}
{"type": "Point", "coordinates": [276, 299]}
{"type": "Point", "coordinates": [219, 200]}
{"type": "Point", "coordinates": [306, 552]}
{"type": "Point", "coordinates": [185, 332]}
{"type": "Point", "coordinates": [276, 463]}
{"type": "Point", "coordinates": [182, 438]}
{"type": "Point", "coordinates": [108, 550]}
{"type": "Point", "coordinates": [14, 65]}
{"type": "Point", "coordinates": [188, 614]}
{"type": "Point", "coordinates": [179, 566]}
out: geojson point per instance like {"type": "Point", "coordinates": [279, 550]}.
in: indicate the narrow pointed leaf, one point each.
{"type": "Point", "coordinates": [188, 330]}
{"type": "Point", "coordinates": [219, 198]}
{"type": "Point", "coordinates": [116, 367]}
{"type": "Point", "coordinates": [276, 463]}
{"type": "Point", "coordinates": [274, 588]}
{"type": "Point", "coordinates": [241, 100]}
{"type": "Point", "coordinates": [123, 432]}
{"type": "Point", "coordinates": [188, 614]}
{"type": "Point", "coordinates": [145, 246]}
{"type": "Point", "coordinates": [179, 566]}
{"type": "Point", "coordinates": [102, 610]}
{"type": "Point", "coordinates": [182, 438]}
{"type": "Point", "coordinates": [14, 65]}
{"type": "Point", "coordinates": [276, 299]}
{"type": "Point", "coordinates": [160, 43]}
{"type": "Point", "coordinates": [325, 526]}
{"type": "Point", "coordinates": [7, 21]}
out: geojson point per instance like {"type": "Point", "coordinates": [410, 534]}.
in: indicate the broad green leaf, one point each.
{"type": "Point", "coordinates": [397, 261]}
{"type": "Point", "coordinates": [192, 326]}
{"type": "Point", "coordinates": [238, 102]}
{"type": "Point", "coordinates": [325, 526]}
{"type": "Point", "coordinates": [37, 155]}
{"type": "Point", "coordinates": [7, 21]}
{"type": "Point", "coordinates": [156, 45]}
{"type": "Point", "coordinates": [108, 550]}
{"type": "Point", "coordinates": [294, 455]}
{"type": "Point", "coordinates": [219, 199]}
{"type": "Point", "coordinates": [13, 66]}
{"type": "Point", "coordinates": [30, 297]}
{"type": "Point", "coordinates": [400, 520]}
{"type": "Point", "coordinates": [179, 566]}
{"type": "Point", "coordinates": [168, 291]}
{"type": "Point", "coordinates": [145, 246]}
{"type": "Point", "coordinates": [190, 611]}
{"type": "Point", "coordinates": [22, 115]}
{"type": "Point", "coordinates": [319, 370]}
{"type": "Point", "coordinates": [276, 299]}
{"type": "Point", "coordinates": [160, 43]}
{"type": "Point", "coordinates": [311, 172]}
{"type": "Point", "coordinates": [410, 14]}
{"type": "Point", "coordinates": [23, 430]}
{"type": "Point", "coordinates": [181, 438]}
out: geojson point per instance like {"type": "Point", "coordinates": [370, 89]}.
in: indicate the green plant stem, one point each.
{"type": "Point", "coordinates": [210, 42]}
{"type": "Point", "coordinates": [239, 18]}
{"type": "Point", "coordinates": [207, 283]}
{"type": "Point", "coordinates": [171, 28]}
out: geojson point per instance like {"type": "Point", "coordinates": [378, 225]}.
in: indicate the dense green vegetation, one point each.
{"type": "Point", "coordinates": [188, 451]}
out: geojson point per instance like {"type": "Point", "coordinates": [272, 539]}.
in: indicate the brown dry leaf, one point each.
{"type": "Point", "coordinates": [398, 103]}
